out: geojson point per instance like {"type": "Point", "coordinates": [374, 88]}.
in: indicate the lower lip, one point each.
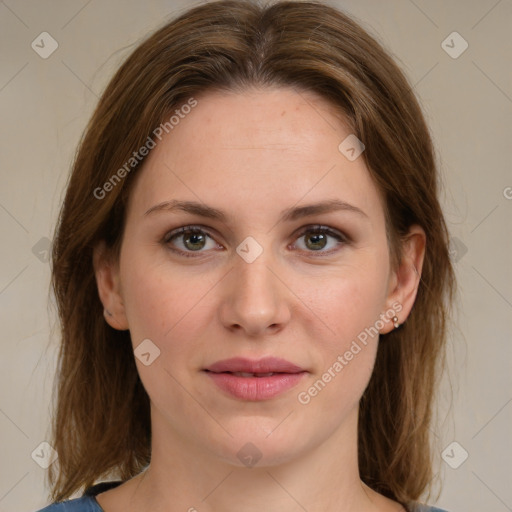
{"type": "Point", "coordinates": [256, 388]}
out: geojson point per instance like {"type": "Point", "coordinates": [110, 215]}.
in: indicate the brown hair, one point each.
{"type": "Point", "coordinates": [101, 424]}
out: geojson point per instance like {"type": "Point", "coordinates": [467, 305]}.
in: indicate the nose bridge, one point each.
{"type": "Point", "coordinates": [255, 282]}
{"type": "Point", "coordinates": [255, 276]}
{"type": "Point", "coordinates": [256, 298]}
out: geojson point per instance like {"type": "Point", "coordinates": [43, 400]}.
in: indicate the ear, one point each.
{"type": "Point", "coordinates": [106, 272]}
{"type": "Point", "coordinates": [405, 280]}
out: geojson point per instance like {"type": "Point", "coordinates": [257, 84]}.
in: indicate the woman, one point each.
{"type": "Point", "coordinates": [252, 274]}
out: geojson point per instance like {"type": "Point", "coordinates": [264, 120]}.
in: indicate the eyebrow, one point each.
{"type": "Point", "coordinates": [287, 215]}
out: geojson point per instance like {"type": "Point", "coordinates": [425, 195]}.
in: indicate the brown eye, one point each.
{"type": "Point", "coordinates": [315, 241]}
{"type": "Point", "coordinates": [194, 241]}
{"type": "Point", "coordinates": [189, 239]}
{"type": "Point", "coordinates": [317, 238]}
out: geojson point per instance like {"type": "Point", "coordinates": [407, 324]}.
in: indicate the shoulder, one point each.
{"type": "Point", "coordinates": [86, 503]}
{"type": "Point", "coordinates": [83, 504]}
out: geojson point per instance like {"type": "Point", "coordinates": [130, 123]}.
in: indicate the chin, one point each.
{"type": "Point", "coordinates": [259, 444]}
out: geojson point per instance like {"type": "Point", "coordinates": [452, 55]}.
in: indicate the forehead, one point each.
{"type": "Point", "coordinates": [252, 150]}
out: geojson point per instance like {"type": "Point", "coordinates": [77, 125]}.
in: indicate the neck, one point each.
{"type": "Point", "coordinates": [187, 477]}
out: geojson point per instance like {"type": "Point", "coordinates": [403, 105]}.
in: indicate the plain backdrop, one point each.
{"type": "Point", "coordinates": [467, 98]}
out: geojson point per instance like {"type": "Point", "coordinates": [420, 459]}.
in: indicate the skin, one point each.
{"type": "Point", "coordinates": [252, 155]}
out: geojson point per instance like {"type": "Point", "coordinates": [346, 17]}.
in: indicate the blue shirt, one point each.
{"type": "Point", "coordinates": [88, 503]}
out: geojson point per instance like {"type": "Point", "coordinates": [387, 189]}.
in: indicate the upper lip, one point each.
{"type": "Point", "coordinates": [263, 365]}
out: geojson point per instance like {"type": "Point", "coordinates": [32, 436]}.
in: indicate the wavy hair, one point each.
{"type": "Point", "coordinates": [101, 423]}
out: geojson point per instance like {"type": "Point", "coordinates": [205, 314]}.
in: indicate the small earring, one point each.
{"type": "Point", "coordinates": [107, 312]}
{"type": "Point", "coordinates": [395, 322]}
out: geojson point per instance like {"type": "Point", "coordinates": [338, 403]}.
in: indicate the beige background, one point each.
{"type": "Point", "coordinates": [45, 104]}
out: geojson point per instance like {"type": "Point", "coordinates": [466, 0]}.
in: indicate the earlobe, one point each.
{"type": "Point", "coordinates": [406, 279]}
{"type": "Point", "coordinates": [106, 272]}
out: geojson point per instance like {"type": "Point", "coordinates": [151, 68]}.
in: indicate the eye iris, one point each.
{"type": "Point", "coordinates": [316, 238]}
{"type": "Point", "coordinates": [195, 238]}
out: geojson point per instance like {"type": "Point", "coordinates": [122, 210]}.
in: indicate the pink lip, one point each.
{"type": "Point", "coordinates": [255, 388]}
{"type": "Point", "coordinates": [286, 376]}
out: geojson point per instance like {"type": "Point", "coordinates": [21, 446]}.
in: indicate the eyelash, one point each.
{"type": "Point", "coordinates": [314, 229]}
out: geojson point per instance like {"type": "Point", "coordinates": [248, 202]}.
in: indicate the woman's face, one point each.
{"type": "Point", "coordinates": [254, 279]}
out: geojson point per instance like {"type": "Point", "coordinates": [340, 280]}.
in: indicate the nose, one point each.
{"type": "Point", "coordinates": [255, 301]}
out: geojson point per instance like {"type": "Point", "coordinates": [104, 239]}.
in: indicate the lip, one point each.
{"type": "Point", "coordinates": [287, 375]}
{"type": "Point", "coordinates": [255, 388]}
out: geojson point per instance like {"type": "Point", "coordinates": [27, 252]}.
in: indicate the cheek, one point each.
{"type": "Point", "coordinates": [349, 299]}
{"type": "Point", "coordinates": [169, 307]}
{"type": "Point", "coordinates": [345, 354]}
{"type": "Point", "coordinates": [347, 305]}
{"type": "Point", "coordinates": [160, 299]}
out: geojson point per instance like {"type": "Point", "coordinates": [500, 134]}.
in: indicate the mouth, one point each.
{"type": "Point", "coordinates": [248, 380]}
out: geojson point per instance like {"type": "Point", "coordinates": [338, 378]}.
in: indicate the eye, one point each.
{"type": "Point", "coordinates": [189, 239]}
{"type": "Point", "coordinates": [316, 239]}
{"type": "Point", "coordinates": [193, 239]}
